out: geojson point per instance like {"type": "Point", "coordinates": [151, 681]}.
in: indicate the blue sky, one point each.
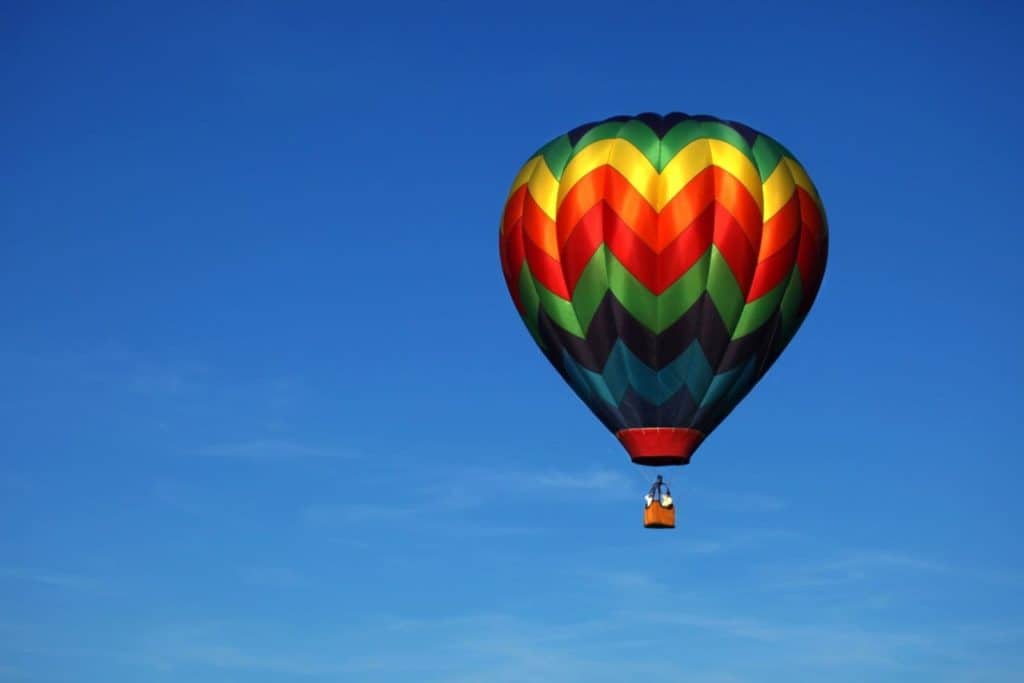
{"type": "Point", "coordinates": [269, 415]}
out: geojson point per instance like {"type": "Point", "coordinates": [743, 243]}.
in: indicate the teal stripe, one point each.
{"type": "Point", "coordinates": [729, 386]}
{"type": "Point", "coordinates": [624, 370]}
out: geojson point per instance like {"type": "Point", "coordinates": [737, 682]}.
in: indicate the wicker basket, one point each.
{"type": "Point", "coordinates": [658, 517]}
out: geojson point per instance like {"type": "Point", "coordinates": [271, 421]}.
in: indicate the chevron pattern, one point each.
{"type": "Point", "coordinates": [662, 263]}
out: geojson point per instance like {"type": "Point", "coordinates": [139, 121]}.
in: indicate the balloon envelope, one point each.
{"type": "Point", "coordinates": [662, 264]}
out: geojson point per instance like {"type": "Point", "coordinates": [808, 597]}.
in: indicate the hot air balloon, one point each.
{"type": "Point", "coordinates": [662, 263]}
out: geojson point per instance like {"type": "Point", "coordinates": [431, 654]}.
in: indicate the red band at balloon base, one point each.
{"type": "Point", "coordinates": [658, 446]}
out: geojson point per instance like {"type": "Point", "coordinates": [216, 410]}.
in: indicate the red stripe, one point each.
{"type": "Point", "coordinates": [736, 199]}
{"type": "Point", "coordinates": [732, 242]}
{"type": "Point", "coordinates": [689, 205]}
{"type": "Point", "coordinates": [713, 184]}
{"type": "Point", "coordinates": [686, 249]}
{"type": "Point", "coordinates": [811, 279]}
{"type": "Point", "coordinates": [813, 250]}
{"type": "Point", "coordinates": [584, 239]}
{"type": "Point", "coordinates": [512, 257]}
{"type": "Point", "coordinates": [546, 269]}
{"type": "Point", "coordinates": [809, 213]}
{"type": "Point", "coordinates": [638, 258]}
{"type": "Point", "coordinates": [608, 185]}
{"type": "Point", "coordinates": [514, 207]}
{"type": "Point", "coordinates": [810, 256]}
{"type": "Point", "coordinates": [657, 272]}
{"type": "Point", "coordinates": [780, 228]}
{"type": "Point", "coordinates": [773, 270]}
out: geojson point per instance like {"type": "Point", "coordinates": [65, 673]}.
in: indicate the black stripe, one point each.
{"type": "Point", "coordinates": [612, 321]}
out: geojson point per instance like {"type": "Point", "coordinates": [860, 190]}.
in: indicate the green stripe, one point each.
{"type": "Point", "coordinates": [758, 312]}
{"type": "Point", "coordinates": [644, 139]}
{"type": "Point", "coordinates": [723, 289]}
{"type": "Point", "coordinates": [767, 154]}
{"type": "Point", "coordinates": [686, 132]}
{"type": "Point", "coordinates": [790, 305]}
{"type": "Point", "coordinates": [591, 287]}
{"type": "Point", "coordinates": [531, 302]}
{"type": "Point", "coordinates": [636, 132]}
{"type": "Point", "coordinates": [657, 313]}
{"type": "Point", "coordinates": [604, 272]}
{"type": "Point", "coordinates": [557, 154]}
{"type": "Point", "coordinates": [560, 310]}
{"type": "Point", "coordinates": [675, 301]}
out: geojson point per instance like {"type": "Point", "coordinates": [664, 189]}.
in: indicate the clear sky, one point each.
{"type": "Point", "coordinates": [269, 415]}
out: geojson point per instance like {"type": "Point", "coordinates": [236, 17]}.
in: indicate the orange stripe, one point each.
{"type": "Point", "coordinates": [735, 249]}
{"type": "Point", "coordinates": [772, 270]}
{"type": "Point", "coordinates": [513, 209]}
{"type": "Point", "coordinates": [584, 239]}
{"type": "Point", "coordinates": [546, 270]}
{"type": "Point", "coordinates": [813, 250]}
{"type": "Point", "coordinates": [680, 254]}
{"type": "Point", "coordinates": [539, 228]}
{"type": "Point", "coordinates": [512, 257]}
{"type": "Point", "coordinates": [711, 184]}
{"type": "Point", "coordinates": [735, 198]}
{"type": "Point", "coordinates": [780, 229]}
{"type": "Point", "coordinates": [656, 229]}
{"type": "Point", "coordinates": [607, 184]}
{"type": "Point", "coordinates": [810, 214]}
{"type": "Point", "coordinates": [692, 201]}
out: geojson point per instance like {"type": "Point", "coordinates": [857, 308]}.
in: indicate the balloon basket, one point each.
{"type": "Point", "coordinates": [657, 516]}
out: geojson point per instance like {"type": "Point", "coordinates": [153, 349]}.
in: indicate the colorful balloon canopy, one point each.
{"type": "Point", "coordinates": [662, 264]}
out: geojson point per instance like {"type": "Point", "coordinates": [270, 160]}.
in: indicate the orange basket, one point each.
{"type": "Point", "coordinates": [658, 517]}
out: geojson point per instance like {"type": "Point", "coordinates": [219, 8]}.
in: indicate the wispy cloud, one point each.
{"type": "Point", "coordinates": [349, 514]}
{"type": "Point", "coordinates": [272, 577]}
{"type": "Point", "coordinates": [476, 486]}
{"type": "Point", "coordinates": [48, 578]}
{"type": "Point", "coordinates": [864, 565]}
{"type": "Point", "coordinates": [601, 481]}
{"type": "Point", "coordinates": [503, 647]}
{"type": "Point", "coordinates": [493, 647]}
{"type": "Point", "coordinates": [236, 647]}
{"type": "Point", "coordinates": [450, 496]}
{"type": "Point", "coordinates": [432, 519]}
{"type": "Point", "coordinates": [735, 501]}
{"type": "Point", "coordinates": [274, 449]}
{"type": "Point", "coordinates": [629, 581]}
{"type": "Point", "coordinates": [855, 566]}
{"type": "Point", "coordinates": [826, 645]}
{"type": "Point", "coordinates": [731, 541]}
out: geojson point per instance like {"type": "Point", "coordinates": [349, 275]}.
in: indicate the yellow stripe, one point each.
{"type": "Point", "coordinates": [543, 187]}
{"type": "Point", "coordinates": [660, 189]}
{"type": "Point", "coordinates": [777, 190]}
{"type": "Point", "coordinates": [700, 154]}
{"type": "Point", "coordinates": [638, 171]}
{"type": "Point", "coordinates": [524, 174]}
{"type": "Point", "coordinates": [627, 160]}
{"type": "Point", "coordinates": [803, 180]}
